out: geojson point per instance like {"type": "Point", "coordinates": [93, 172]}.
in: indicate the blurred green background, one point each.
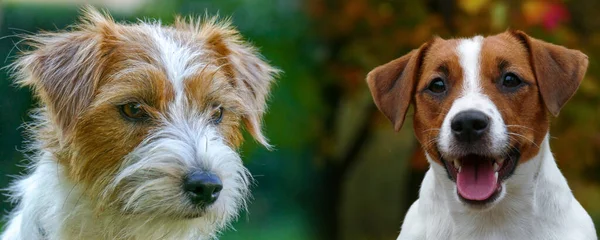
{"type": "Point", "coordinates": [339, 171]}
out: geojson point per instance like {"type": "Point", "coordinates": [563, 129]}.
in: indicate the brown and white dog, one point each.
{"type": "Point", "coordinates": [138, 130]}
{"type": "Point", "coordinates": [481, 115]}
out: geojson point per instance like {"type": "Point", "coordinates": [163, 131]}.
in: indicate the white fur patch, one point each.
{"type": "Point", "coordinates": [469, 51]}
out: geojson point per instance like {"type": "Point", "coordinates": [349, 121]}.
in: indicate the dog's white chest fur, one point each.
{"type": "Point", "coordinates": [539, 205]}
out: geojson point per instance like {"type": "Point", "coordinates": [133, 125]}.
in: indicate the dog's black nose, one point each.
{"type": "Point", "coordinates": [469, 126]}
{"type": "Point", "coordinates": [203, 187]}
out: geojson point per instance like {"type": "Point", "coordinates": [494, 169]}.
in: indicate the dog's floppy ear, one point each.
{"type": "Point", "coordinates": [392, 85]}
{"type": "Point", "coordinates": [558, 70]}
{"type": "Point", "coordinates": [249, 73]}
{"type": "Point", "coordinates": [64, 68]}
{"type": "Point", "coordinates": [254, 76]}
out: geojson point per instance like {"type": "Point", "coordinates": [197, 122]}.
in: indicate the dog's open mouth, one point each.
{"type": "Point", "coordinates": [478, 178]}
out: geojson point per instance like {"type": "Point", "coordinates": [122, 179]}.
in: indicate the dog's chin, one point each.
{"type": "Point", "coordinates": [184, 212]}
{"type": "Point", "coordinates": [190, 215]}
{"type": "Point", "coordinates": [479, 179]}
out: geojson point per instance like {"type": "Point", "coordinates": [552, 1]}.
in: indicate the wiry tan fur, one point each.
{"type": "Point", "coordinates": [95, 175]}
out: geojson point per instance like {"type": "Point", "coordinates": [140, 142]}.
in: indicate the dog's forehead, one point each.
{"type": "Point", "coordinates": [178, 55]}
{"type": "Point", "coordinates": [455, 55]}
{"type": "Point", "coordinates": [440, 52]}
{"type": "Point", "coordinates": [472, 60]}
{"type": "Point", "coordinates": [176, 61]}
{"type": "Point", "coordinates": [504, 43]}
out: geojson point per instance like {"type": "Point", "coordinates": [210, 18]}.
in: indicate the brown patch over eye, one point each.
{"type": "Point", "coordinates": [133, 111]}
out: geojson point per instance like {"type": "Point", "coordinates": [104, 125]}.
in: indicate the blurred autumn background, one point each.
{"type": "Point", "coordinates": [339, 171]}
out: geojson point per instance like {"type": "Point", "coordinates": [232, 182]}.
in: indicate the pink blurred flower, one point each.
{"type": "Point", "coordinates": [555, 14]}
{"type": "Point", "coordinates": [545, 13]}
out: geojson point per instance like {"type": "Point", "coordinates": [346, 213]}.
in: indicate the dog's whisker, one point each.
{"type": "Point", "coordinates": [521, 126]}
{"type": "Point", "coordinates": [432, 129]}
{"type": "Point", "coordinates": [523, 137]}
{"type": "Point", "coordinates": [431, 142]}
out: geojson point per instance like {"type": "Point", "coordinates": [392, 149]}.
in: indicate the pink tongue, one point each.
{"type": "Point", "coordinates": [476, 180]}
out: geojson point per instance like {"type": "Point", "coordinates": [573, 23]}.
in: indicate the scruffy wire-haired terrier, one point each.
{"type": "Point", "coordinates": [138, 130]}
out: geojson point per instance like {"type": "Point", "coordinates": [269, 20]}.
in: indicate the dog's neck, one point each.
{"type": "Point", "coordinates": [536, 189]}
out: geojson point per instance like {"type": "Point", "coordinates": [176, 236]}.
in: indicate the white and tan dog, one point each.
{"type": "Point", "coordinates": [481, 115]}
{"type": "Point", "coordinates": [138, 128]}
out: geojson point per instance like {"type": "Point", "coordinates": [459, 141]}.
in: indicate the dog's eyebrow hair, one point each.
{"type": "Point", "coordinates": [502, 64]}
{"type": "Point", "coordinates": [443, 67]}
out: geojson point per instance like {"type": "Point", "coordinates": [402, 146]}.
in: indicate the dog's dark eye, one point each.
{"type": "Point", "coordinates": [133, 111]}
{"type": "Point", "coordinates": [511, 81]}
{"type": "Point", "coordinates": [437, 86]}
{"type": "Point", "coordinates": [217, 115]}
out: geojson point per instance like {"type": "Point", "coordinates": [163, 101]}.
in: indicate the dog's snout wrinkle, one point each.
{"type": "Point", "coordinates": [470, 126]}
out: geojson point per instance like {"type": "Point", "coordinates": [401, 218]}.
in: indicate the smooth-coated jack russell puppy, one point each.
{"type": "Point", "coordinates": [481, 114]}
{"type": "Point", "coordinates": [138, 129]}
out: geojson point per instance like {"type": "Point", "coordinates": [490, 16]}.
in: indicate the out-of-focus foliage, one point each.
{"type": "Point", "coordinates": [338, 170]}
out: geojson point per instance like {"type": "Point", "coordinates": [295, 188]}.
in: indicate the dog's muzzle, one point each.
{"type": "Point", "coordinates": [473, 161]}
